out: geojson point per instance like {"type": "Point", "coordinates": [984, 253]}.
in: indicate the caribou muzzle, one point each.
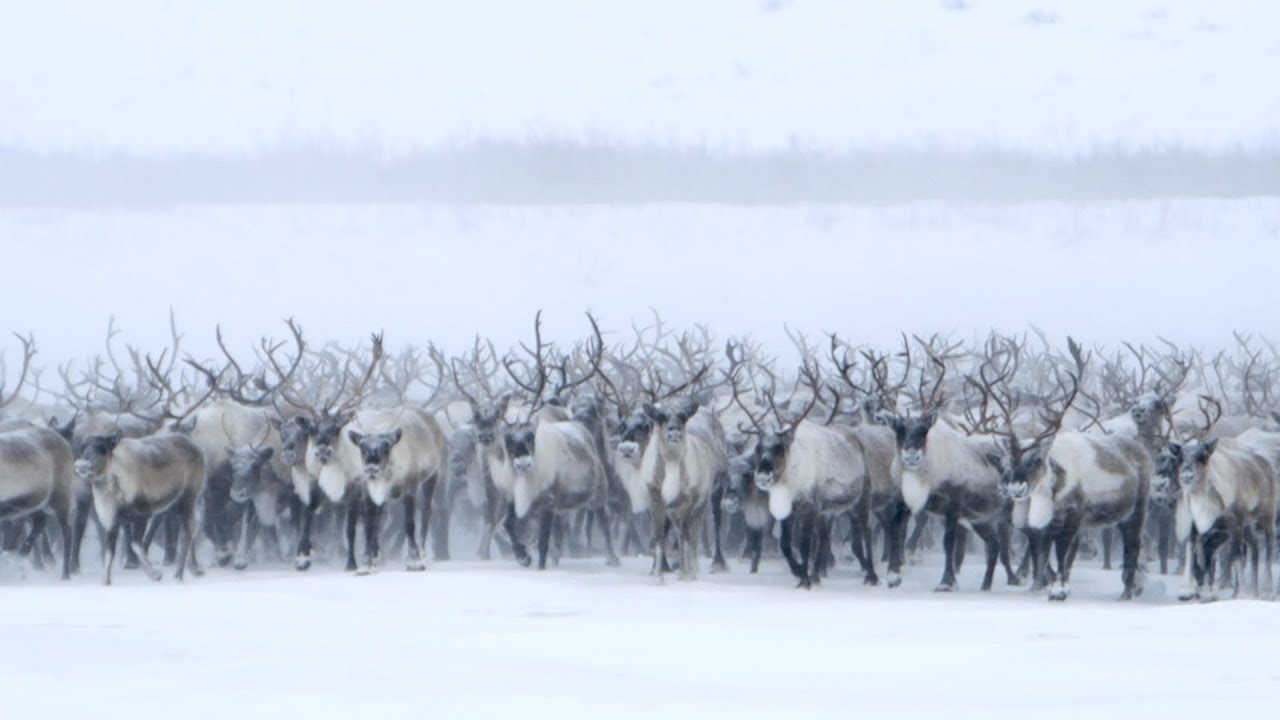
{"type": "Point", "coordinates": [1016, 490]}
{"type": "Point", "coordinates": [913, 460]}
{"type": "Point", "coordinates": [324, 454]}
{"type": "Point", "coordinates": [523, 463]}
{"type": "Point", "coordinates": [731, 503]}
{"type": "Point", "coordinates": [84, 469]}
{"type": "Point", "coordinates": [629, 450]}
{"type": "Point", "coordinates": [765, 480]}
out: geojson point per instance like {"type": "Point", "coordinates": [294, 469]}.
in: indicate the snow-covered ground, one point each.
{"type": "Point", "coordinates": [1189, 270]}
{"type": "Point", "coordinates": [1051, 76]}
{"type": "Point", "coordinates": [483, 640]}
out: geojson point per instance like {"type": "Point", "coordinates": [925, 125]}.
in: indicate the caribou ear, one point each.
{"type": "Point", "coordinates": [396, 435]}
{"type": "Point", "coordinates": [277, 423]}
{"type": "Point", "coordinates": [1175, 448]}
{"type": "Point", "coordinates": [1209, 445]}
{"type": "Point", "coordinates": [1275, 416]}
{"type": "Point", "coordinates": [649, 410]}
{"type": "Point", "coordinates": [355, 436]}
{"type": "Point", "coordinates": [113, 440]}
{"type": "Point", "coordinates": [266, 453]}
{"type": "Point", "coordinates": [345, 417]}
{"type": "Point", "coordinates": [930, 418]}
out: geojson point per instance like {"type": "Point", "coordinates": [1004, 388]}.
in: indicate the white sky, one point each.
{"type": "Point", "coordinates": [234, 75]}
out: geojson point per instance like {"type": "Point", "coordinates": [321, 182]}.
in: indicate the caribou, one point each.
{"type": "Point", "coordinates": [139, 480]}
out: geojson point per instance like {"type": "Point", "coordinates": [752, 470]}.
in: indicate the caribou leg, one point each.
{"type": "Point", "coordinates": [517, 547]}
{"type": "Point", "coordinates": [185, 516]}
{"type": "Point", "coordinates": [147, 567]}
{"type": "Point", "coordinates": [950, 538]}
{"type": "Point", "coordinates": [1108, 539]}
{"type": "Point", "coordinates": [1064, 544]}
{"type": "Point", "coordinates": [1190, 568]}
{"type": "Point", "coordinates": [372, 526]}
{"type": "Point", "coordinates": [786, 545]}
{"type": "Point", "coordinates": [353, 515]}
{"type": "Point", "coordinates": [1131, 547]}
{"type": "Point", "coordinates": [413, 562]}
{"type": "Point", "coordinates": [245, 541]}
{"type": "Point", "coordinates": [861, 515]}
{"type": "Point", "coordinates": [658, 513]}
{"type": "Point", "coordinates": [113, 534]}
{"type": "Point", "coordinates": [429, 508]}
{"type": "Point", "coordinates": [893, 519]}
{"type": "Point", "coordinates": [991, 542]}
{"type": "Point", "coordinates": [547, 520]}
{"type": "Point", "coordinates": [1005, 533]}
{"type": "Point", "coordinates": [307, 511]}
{"type": "Point", "coordinates": [606, 528]}
{"type": "Point", "coordinates": [493, 507]}
{"type": "Point", "coordinates": [449, 492]}
{"type": "Point", "coordinates": [80, 513]}
{"type": "Point", "coordinates": [755, 547]}
{"type": "Point", "coordinates": [717, 519]}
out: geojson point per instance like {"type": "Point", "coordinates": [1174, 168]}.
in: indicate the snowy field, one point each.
{"type": "Point", "coordinates": [471, 639]}
{"type": "Point", "coordinates": [1189, 270]}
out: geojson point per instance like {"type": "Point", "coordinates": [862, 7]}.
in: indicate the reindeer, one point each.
{"type": "Point", "coordinates": [1225, 488]}
{"type": "Point", "coordinates": [553, 466]}
{"type": "Point", "coordinates": [139, 480]}
{"type": "Point", "coordinates": [401, 450]}
{"type": "Point", "coordinates": [1071, 480]}
{"type": "Point", "coordinates": [671, 460]}
{"type": "Point", "coordinates": [491, 487]}
{"type": "Point", "coordinates": [331, 462]}
{"type": "Point", "coordinates": [812, 470]}
{"type": "Point", "coordinates": [954, 470]}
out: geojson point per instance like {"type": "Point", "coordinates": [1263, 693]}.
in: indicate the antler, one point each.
{"type": "Point", "coordinates": [28, 352]}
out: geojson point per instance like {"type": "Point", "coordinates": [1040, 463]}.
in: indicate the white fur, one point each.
{"type": "Point", "coordinates": [915, 491]}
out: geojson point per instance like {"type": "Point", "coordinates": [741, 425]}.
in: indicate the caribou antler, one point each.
{"type": "Point", "coordinates": [28, 352]}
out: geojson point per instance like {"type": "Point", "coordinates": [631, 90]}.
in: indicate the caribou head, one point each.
{"type": "Point", "coordinates": [520, 441]}
{"type": "Point", "coordinates": [294, 434]}
{"type": "Point", "coordinates": [375, 453]}
{"type": "Point", "coordinates": [93, 460]}
{"type": "Point", "coordinates": [247, 465]}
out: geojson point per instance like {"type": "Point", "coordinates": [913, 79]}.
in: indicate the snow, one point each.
{"type": "Point", "coordinates": [1053, 76]}
{"type": "Point", "coordinates": [1186, 269]}
{"type": "Point", "coordinates": [472, 639]}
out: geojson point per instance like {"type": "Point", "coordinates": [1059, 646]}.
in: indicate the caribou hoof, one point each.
{"type": "Point", "coordinates": [1058, 593]}
{"type": "Point", "coordinates": [132, 564]}
{"type": "Point", "coordinates": [222, 559]}
{"type": "Point", "coordinates": [240, 564]}
{"type": "Point", "coordinates": [945, 587]}
{"type": "Point", "coordinates": [1188, 595]}
{"type": "Point", "coordinates": [1014, 581]}
{"type": "Point", "coordinates": [524, 560]}
{"type": "Point", "coordinates": [153, 575]}
{"type": "Point", "coordinates": [870, 580]}
{"type": "Point", "coordinates": [350, 566]}
{"type": "Point", "coordinates": [893, 580]}
{"type": "Point", "coordinates": [415, 566]}
{"type": "Point", "coordinates": [364, 571]}
{"type": "Point", "coordinates": [613, 562]}
{"type": "Point", "coordinates": [719, 566]}
{"type": "Point", "coordinates": [302, 563]}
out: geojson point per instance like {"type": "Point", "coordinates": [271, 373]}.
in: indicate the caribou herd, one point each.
{"type": "Point", "coordinates": [655, 441]}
